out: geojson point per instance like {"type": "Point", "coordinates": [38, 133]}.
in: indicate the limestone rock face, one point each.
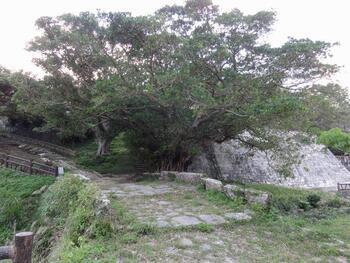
{"type": "Point", "coordinates": [212, 184]}
{"type": "Point", "coordinates": [317, 167]}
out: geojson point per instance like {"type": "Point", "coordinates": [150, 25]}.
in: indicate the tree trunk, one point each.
{"type": "Point", "coordinates": [104, 134]}
{"type": "Point", "coordinates": [103, 146]}
{"type": "Point", "coordinates": [214, 168]}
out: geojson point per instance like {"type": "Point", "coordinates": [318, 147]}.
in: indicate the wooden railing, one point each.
{"type": "Point", "coordinates": [21, 251]}
{"type": "Point", "coordinates": [27, 166]}
{"type": "Point", "coordinates": [343, 187]}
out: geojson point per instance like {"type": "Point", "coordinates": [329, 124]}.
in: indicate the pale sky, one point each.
{"type": "Point", "coordinates": [315, 19]}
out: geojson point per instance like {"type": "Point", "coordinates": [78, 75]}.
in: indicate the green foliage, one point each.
{"type": "Point", "coordinates": [17, 205]}
{"type": "Point", "coordinates": [335, 202]}
{"type": "Point", "coordinates": [327, 106]}
{"type": "Point", "coordinates": [220, 199]}
{"type": "Point", "coordinates": [288, 200]}
{"type": "Point", "coordinates": [173, 80]}
{"type": "Point", "coordinates": [205, 228]}
{"type": "Point", "coordinates": [336, 140]}
{"type": "Point", "coordinates": [304, 205]}
{"type": "Point", "coordinates": [119, 160]}
{"type": "Point", "coordinates": [84, 222]}
{"type": "Point", "coordinates": [313, 200]}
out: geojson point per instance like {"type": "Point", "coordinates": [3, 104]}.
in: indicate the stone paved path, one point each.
{"type": "Point", "coordinates": [168, 204]}
{"type": "Point", "coordinates": [140, 189]}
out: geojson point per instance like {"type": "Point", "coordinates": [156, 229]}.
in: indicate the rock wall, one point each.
{"type": "Point", "coordinates": [317, 166]}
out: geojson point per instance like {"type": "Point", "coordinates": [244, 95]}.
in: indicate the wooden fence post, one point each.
{"type": "Point", "coordinates": [21, 251]}
{"type": "Point", "coordinates": [6, 161]}
{"type": "Point", "coordinates": [23, 247]}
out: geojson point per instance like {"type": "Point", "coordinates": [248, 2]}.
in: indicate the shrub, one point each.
{"type": "Point", "coordinates": [313, 200]}
{"type": "Point", "coordinates": [303, 205]}
{"type": "Point", "coordinates": [335, 202]}
{"type": "Point", "coordinates": [336, 140]}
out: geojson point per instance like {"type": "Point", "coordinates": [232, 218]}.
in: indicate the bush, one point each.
{"type": "Point", "coordinates": [336, 140]}
{"type": "Point", "coordinates": [303, 205]}
{"type": "Point", "coordinates": [313, 200]}
{"type": "Point", "coordinates": [335, 202]}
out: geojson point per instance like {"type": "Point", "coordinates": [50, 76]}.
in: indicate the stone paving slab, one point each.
{"type": "Point", "coordinates": [176, 209]}
{"type": "Point", "coordinates": [140, 189]}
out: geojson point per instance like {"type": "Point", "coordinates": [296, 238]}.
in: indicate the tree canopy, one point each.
{"type": "Point", "coordinates": [174, 81]}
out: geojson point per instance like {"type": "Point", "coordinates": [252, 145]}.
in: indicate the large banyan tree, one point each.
{"type": "Point", "coordinates": [173, 81]}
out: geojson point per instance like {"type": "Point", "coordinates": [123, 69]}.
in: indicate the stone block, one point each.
{"type": "Point", "coordinates": [257, 197]}
{"type": "Point", "coordinates": [168, 175]}
{"type": "Point", "coordinates": [213, 184]}
{"type": "Point", "coordinates": [191, 178]}
{"type": "Point", "coordinates": [233, 191]}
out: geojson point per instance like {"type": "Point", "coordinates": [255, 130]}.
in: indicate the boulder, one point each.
{"type": "Point", "coordinates": [192, 178]}
{"type": "Point", "coordinates": [257, 197]}
{"type": "Point", "coordinates": [213, 184]}
{"type": "Point", "coordinates": [233, 191]}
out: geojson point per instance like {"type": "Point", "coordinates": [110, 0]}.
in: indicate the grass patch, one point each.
{"type": "Point", "coordinates": [220, 199]}
{"type": "Point", "coordinates": [17, 205]}
{"type": "Point", "coordinates": [205, 228]}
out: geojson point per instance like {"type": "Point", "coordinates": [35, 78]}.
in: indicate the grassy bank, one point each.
{"type": "Point", "coordinates": [74, 225]}
{"type": "Point", "coordinates": [17, 204]}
